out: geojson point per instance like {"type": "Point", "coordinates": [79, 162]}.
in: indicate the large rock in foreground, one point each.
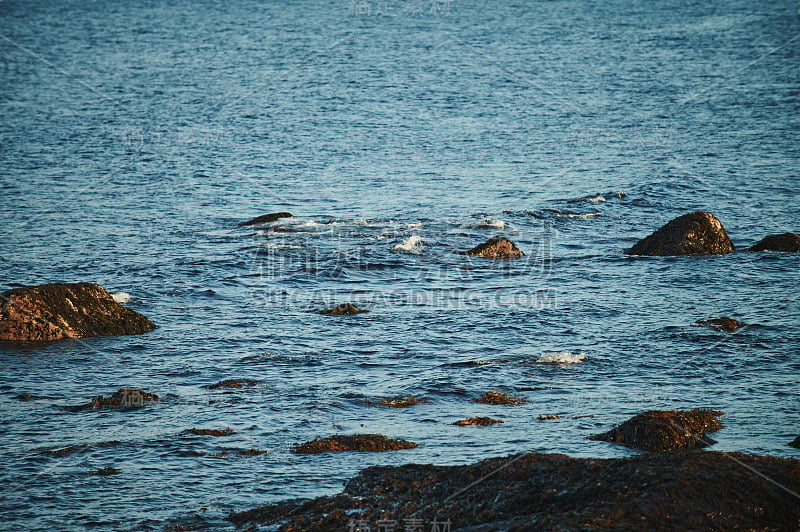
{"type": "Point", "coordinates": [787, 242]}
{"type": "Point", "coordinates": [690, 490]}
{"type": "Point", "coordinates": [57, 311]}
{"type": "Point", "coordinates": [697, 233]}
{"type": "Point", "coordinates": [660, 430]}
{"type": "Point", "coordinates": [496, 248]}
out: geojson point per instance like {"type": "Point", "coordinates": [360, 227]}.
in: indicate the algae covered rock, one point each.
{"type": "Point", "coordinates": [697, 233]}
{"type": "Point", "coordinates": [59, 310]}
{"type": "Point", "coordinates": [355, 442]}
{"type": "Point", "coordinates": [496, 248]}
{"type": "Point", "coordinates": [786, 242]}
{"type": "Point", "coordinates": [660, 430]}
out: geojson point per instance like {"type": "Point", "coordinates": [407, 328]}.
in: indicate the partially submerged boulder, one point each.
{"type": "Point", "coordinates": [59, 310]}
{"type": "Point", "coordinates": [122, 398]}
{"type": "Point", "coordinates": [211, 432]}
{"type": "Point", "coordinates": [501, 398]}
{"type": "Point", "coordinates": [660, 430]}
{"type": "Point", "coordinates": [343, 309]}
{"type": "Point", "coordinates": [795, 443]}
{"type": "Point", "coordinates": [477, 421]}
{"type": "Point", "coordinates": [402, 401]}
{"type": "Point", "coordinates": [267, 218]}
{"type": "Point", "coordinates": [231, 383]}
{"type": "Point", "coordinates": [496, 248]}
{"type": "Point", "coordinates": [697, 233]}
{"type": "Point", "coordinates": [354, 442]}
{"type": "Point", "coordinates": [723, 324]}
{"type": "Point", "coordinates": [786, 242]}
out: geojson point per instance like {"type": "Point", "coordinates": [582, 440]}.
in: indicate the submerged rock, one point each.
{"type": "Point", "coordinates": [231, 383]}
{"type": "Point", "coordinates": [106, 471]}
{"type": "Point", "coordinates": [122, 398]}
{"type": "Point", "coordinates": [57, 311]}
{"type": "Point", "coordinates": [723, 324]}
{"type": "Point", "coordinates": [697, 233]}
{"type": "Point", "coordinates": [477, 421]}
{"type": "Point", "coordinates": [786, 242]}
{"type": "Point", "coordinates": [660, 430]}
{"type": "Point", "coordinates": [267, 218]}
{"type": "Point", "coordinates": [355, 442]}
{"type": "Point", "coordinates": [211, 432]}
{"type": "Point", "coordinates": [501, 398]}
{"type": "Point", "coordinates": [343, 309]}
{"type": "Point", "coordinates": [496, 248]}
{"type": "Point", "coordinates": [690, 490]}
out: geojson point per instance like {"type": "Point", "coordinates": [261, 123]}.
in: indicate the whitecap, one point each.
{"type": "Point", "coordinates": [561, 357]}
{"type": "Point", "coordinates": [596, 199]}
{"type": "Point", "coordinates": [411, 244]}
{"type": "Point", "coordinates": [587, 216]}
{"type": "Point", "coordinates": [121, 297]}
{"type": "Point", "coordinates": [488, 223]}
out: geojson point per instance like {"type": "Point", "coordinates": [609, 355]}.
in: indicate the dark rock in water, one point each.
{"type": "Point", "coordinates": [106, 471]}
{"type": "Point", "coordinates": [787, 242]}
{"type": "Point", "coordinates": [231, 383]}
{"type": "Point", "coordinates": [689, 490]}
{"type": "Point", "coordinates": [477, 421]}
{"type": "Point", "coordinates": [660, 430]}
{"type": "Point", "coordinates": [343, 309]}
{"type": "Point", "coordinates": [723, 324]}
{"type": "Point", "coordinates": [697, 233]}
{"type": "Point", "coordinates": [355, 442]}
{"type": "Point", "coordinates": [496, 248]}
{"type": "Point", "coordinates": [57, 311]}
{"type": "Point", "coordinates": [122, 398]}
{"type": "Point", "coordinates": [211, 432]}
{"type": "Point", "coordinates": [267, 218]}
{"type": "Point", "coordinates": [501, 398]}
{"type": "Point", "coordinates": [402, 401]}
{"type": "Point", "coordinates": [253, 452]}
{"type": "Point", "coordinates": [795, 443]}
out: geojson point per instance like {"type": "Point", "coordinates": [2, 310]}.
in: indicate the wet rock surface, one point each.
{"type": "Point", "coordinates": [496, 248]}
{"type": "Point", "coordinates": [688, 490]}
{"type": "Point", "coordinates": [477, 421]}
{"type": "Point", "coordinates": [355, 442]}
{"type": "Point", "coordinates": [122, 398]}
{"type": "Point", "coordinates": [266, 218]}
{"type": "Point", "coordinates": [211, 432]}
{"type": "Point", "coordinates": [402, 401]}
{"type": "Point", "coordinates": [105, 472]}
{"type": "Point", "coordinates": [501, 398]}
{"type": "Point", "coordinates": [342, 310]}
{"type": "Point", "coordinates": [59, 310]}
{"type": "Point", "coordinates": [795, 443]}
{"type": "Point", "coordinates": [231, 384]}
{"type": "Point", "coordinates": [697, 233]}
{"type": "Point", "coordinates": [723, 324]}
{"type": "Point", "coordinates": [786, 242]}
{"type": "Point", "coordinates": [665, 430]}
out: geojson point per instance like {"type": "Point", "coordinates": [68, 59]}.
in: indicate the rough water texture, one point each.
{"type": "Point", "coordinates": [665, 431]}
{"type": "Point", "coordinates": [697, 233]}
{"type": "Point", "coordinates": [688, 490]}
{"type": "Point", "coordinates": [57, 311]}
{"type": "Point", "coordinates": [786, 242]}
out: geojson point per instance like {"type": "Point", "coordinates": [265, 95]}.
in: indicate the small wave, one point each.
{"type": "Point", "coordinates": [121, 297]}
{"type": "Point", "coordinates": [586, 216]}
{"type": "Point", "coordinates": [561, 357]}
{"type": "Point", "coordinates": [488, 223]}
{"type": "Point", "coordinates": [272, 245]}
{"type": "Point", "coordinates": [417, 226]}
{"type": "Point", "coordinates": [411, 244]}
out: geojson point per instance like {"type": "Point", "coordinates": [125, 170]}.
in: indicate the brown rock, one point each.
{"type": "Point", "coordinates": [723, 324]}
{"type": "Point", "coordinates": [496, 248]}
{"type": "Point", "coordinates": [501, 398]}
{"type": "Point", "coordinates": [231, 383]}
{"type": "Point", "coordinates": [477, 421]}
{"type": "Point", "coordinates": [57, 311]}
{"type": "Point", "coordinates": [267, 218]}
{"type": "Point", "coordinates": [343, 309]}
{"type": "Point", "coordinates": [660, 430]}
{"type": "Point", "coordinates": [786, 242]}
{"type": "Point", "coordinates": [354, 442]}
{"type": "Point", "coordinates": [402, 401]}
{"type": "Point", "coordinates": [253, 452]}
{"type": "Point", "coordinates": [697, 233]}
{"type": "Point", "coordinates": [122, 398]}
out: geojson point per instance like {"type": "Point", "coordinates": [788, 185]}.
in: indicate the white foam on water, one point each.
{"type": "Point", "coordinates": [596, 199]}
{"type": "Point", "coordinates": [587, 216]}
{"type": "Point", "coordinates": [414, 226]}
{"type": "Point", "coordinates": [121, 297]}
{"type": "Point", "coordinates": [561, 357]}
{"type": "Point", "coordinates": [488, 223]}
{"type": "Point", "coordinates": [411, 244]}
